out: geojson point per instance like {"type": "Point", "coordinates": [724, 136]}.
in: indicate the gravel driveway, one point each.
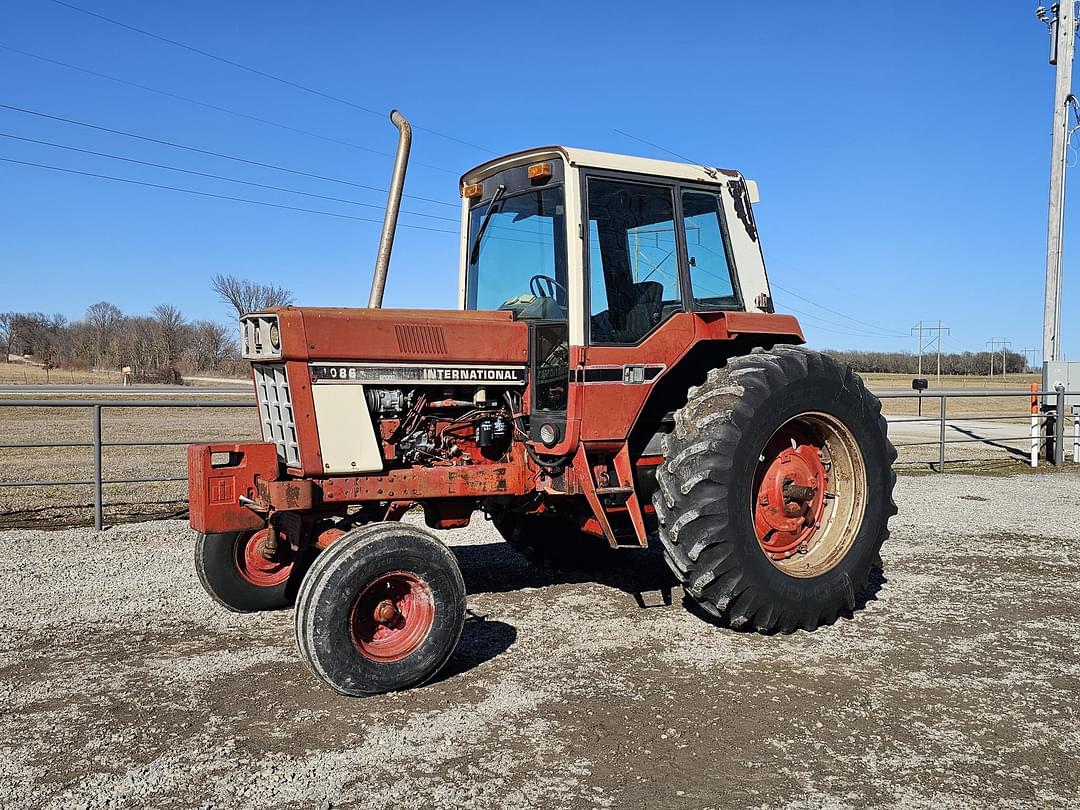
{"type": "Point", "coordinates": [123, 685]}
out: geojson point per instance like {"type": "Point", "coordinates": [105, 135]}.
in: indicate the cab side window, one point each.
{"type": "Point", "coordinates": [710, 271]}
{"type": "Point", "coordinates": [633, 259]}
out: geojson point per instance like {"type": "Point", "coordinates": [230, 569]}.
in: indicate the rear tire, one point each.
{"type": "Point", "coordinates": [381, 609]}
{"type": "Point", "coordinates": [236, 575]}
{"type": "Point", "coordinates": [776, 491]}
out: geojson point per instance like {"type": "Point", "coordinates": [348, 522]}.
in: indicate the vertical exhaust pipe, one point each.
{"type": "Point", "coordinates": [393, 206]}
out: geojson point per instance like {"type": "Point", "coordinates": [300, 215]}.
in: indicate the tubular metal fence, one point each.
{"type": "Point", "coordinates": [1047, 428]}
{"type": "Point", "coordinates": [96, 406]}
{"type": "Point", "coordinates": [1044, 427]}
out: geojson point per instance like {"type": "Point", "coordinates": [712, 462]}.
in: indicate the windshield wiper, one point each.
{"type": "Point", "coordinates": [474, 254]}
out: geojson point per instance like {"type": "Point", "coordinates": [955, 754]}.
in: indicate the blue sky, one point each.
{"type": "Point", "coordinates": [902, 149]}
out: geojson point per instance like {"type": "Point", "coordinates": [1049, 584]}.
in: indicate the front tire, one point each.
{"type": "Point", "coordinates": [776, 491]}
{"type": "Point", "coordinates": [382, 609]}
{"type": "Point", "coordinates": [233, 569]}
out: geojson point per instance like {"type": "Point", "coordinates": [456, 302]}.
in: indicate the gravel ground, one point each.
{"type": "Point", "coordinates": [123, 685]}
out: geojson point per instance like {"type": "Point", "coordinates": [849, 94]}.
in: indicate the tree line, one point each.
{"type": "Point", "coordinates": [162, 346]}
{"type": "Point", "coordinates": [973, 363]}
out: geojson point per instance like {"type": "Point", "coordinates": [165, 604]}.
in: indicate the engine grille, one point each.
{"type": "Point", "coordinates": [415, 338]}
{"type": "Point", "coordinates": [276, 411]}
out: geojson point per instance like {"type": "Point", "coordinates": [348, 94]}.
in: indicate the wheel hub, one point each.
{"type": "Point", "coordinates": [260, 564]}
{"type": "Point", "coordinates": [391, 616]}
{"type": "Point", "coordinates": [790, 497]}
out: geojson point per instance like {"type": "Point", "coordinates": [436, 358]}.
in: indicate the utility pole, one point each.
{"type": "Point", "coordinates": [1031, 359]}
{"type": "Point", "coordinates": [992, 345]}
{"type": "Point", "coordinates": [1062, 37]}
{"type": "Point", "coordinates": [935, 341]}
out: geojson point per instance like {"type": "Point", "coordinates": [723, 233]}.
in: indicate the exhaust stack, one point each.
{"type": "Point", "coordinates": [393, 206]}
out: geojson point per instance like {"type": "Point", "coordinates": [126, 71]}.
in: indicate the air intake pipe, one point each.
{"type": "Point", "coordinates": [393, 206]}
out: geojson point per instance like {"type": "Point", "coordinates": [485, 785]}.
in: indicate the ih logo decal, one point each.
{"type": "Point", "coordinates": [223, 489]}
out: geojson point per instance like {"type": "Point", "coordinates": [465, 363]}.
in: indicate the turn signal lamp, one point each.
{"type": "Point", "coordinates": [472, 191]}
{"type": "Point", "coordinates": [540, 171]}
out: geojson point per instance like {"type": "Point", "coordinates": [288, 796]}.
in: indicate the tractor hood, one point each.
{"type": "Point", "coordinates": [399, 335]}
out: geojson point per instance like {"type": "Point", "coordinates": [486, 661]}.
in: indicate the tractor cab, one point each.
{"type": "Point", "coordinates": [611, 244]}
{"type": "Point", "coordinates": [617, 263]}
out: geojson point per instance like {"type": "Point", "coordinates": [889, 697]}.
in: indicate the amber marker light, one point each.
{"type": "Point", "coordinates": [540, 171]}
{"type": "Point", "coordinates": [472, 191]}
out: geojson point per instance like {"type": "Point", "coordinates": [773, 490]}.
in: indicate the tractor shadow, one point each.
{"type": "Point", "coordinates": [482, 640]}
{"type": "Point", "coordinates": [498, 568]}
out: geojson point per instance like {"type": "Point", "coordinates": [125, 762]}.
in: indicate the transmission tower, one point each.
{"type": "Point", "coordinates": [933, 342]}
{"type": "Point", "coordinates": [992, 345]}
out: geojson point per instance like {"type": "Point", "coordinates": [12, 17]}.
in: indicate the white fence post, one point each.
{"type": "Point", "coordinates": [1076, 434]}
{"type": "Point", "coordinates": [1036, 433]}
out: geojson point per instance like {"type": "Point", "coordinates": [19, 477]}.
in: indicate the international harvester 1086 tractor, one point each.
{"type": "Point", "coordinates": [614, 372]}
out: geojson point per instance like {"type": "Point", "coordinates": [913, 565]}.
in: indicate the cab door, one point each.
{"type": "Point", "coordinates": [637, 313]}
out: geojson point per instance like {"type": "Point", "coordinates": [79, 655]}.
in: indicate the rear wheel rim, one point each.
{"type": "Point", "coordinates": [809, 495]}
{"type": "Point", "coordinates": [392, 616]}
{"type": "Point", "coordinates": [255, 566]}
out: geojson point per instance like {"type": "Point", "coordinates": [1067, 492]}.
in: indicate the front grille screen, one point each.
{"type": "Point", "coordinates": [276, 412]}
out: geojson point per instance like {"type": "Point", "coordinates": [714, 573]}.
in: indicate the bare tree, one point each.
{"type": "Point", "coordinates": [8, 321]}
{"type": "Point", "coordinates": [212, 345]}
{"type": "Point", "coordinates": [170, 334]}
{"type": "Point", "coordinates": [248, 296]}
{"type": "Point", "coordinates": [103, 319]}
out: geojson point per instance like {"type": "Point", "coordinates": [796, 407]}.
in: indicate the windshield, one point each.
{"type": "Point", "coordinates": [521, 257]}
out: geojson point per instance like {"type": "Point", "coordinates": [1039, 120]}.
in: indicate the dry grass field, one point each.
{"type": "Point", "coordinates": [48, 506]}
{"type": "Point", "coordinates": [26, 374]}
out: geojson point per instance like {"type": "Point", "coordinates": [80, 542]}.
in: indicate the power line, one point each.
{"type": "Point", "coordinates": [992, 345]}
{"type": "Point", "coordinates": [842, 329]}
{"type": "Point", "coordinates": [257, 72]}
{"type": "Point", "coordinates": [214, 176]}
{"type": "Point", "coordinates": [937, 332]}
{"type": "Point", "coordinates": [658, 146]}
{"type": "Point", "coordinates": [218, 196]}
{"type": "Point", "coordinates": [222, 155]}
{"type": "Point", "coordinates": [214, 107]}
{"type": "Point", "coordinates": [834, 311]}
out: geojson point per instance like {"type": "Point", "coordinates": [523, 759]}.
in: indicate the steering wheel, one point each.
{"type": "Point", "coordinates": [546, 287]}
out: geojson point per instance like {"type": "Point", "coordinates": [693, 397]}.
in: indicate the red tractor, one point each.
{"type": "Point", "coordinates": [614, 373]}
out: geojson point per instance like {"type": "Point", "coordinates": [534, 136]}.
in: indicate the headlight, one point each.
{"type": "Point", "coordinates": [549, 434]}
{"type": "Point", "coordinates": [275, 336]}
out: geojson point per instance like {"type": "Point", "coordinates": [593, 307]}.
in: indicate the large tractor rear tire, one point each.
{"type": "Point", "coordinates": [235, 571]}
{"type": "Point", "coordinates": [380, 610]}
{"type": "Point", "coordinates": [776, 490]}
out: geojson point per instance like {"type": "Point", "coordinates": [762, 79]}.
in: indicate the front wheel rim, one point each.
{"type": "Point", "coordinates": [809, 494]}
{"type": "Point", "coordinates": [258, 567]}
{"type": "Point", "coordinates": [392, 616]}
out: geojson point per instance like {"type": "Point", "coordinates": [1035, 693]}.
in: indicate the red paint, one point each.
{"type": "Point", "coordinates": [783, 524]}
{"type": "Point", "coordinates": [213, 490]}
{"type": "Point", "coordinates": [600, 417]}
{"type": "Point", "coordinates": [391, 616]}
{"type": "Point", "coordinates": [252, 563]}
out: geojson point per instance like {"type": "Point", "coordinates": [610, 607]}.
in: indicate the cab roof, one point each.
{"type": "Point", "coordinates": [599, 160]}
